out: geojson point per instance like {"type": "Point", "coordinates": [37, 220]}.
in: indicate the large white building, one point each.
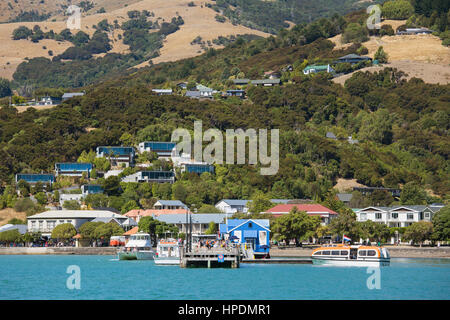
{"type": "Point", "coordinates": [45, 222]}
{"type": "Point", "coordinates": [398, 216]}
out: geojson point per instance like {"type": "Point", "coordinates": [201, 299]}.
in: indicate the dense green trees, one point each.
{"type": "Point", "coordinates": [397, 10]}
{"type": "Point", "coordinates": [156, 228]}
{"type": "Point", "coordinates": [418, 232]}
{"type": "Point", "coordinates": [5, 88]}
{"type": "Point", "coordinates": [64, 231]}
{"type": "Point", "coordinates": [295, 225]}
{"type": "Point", "coordinates": [441, 224]}
{"type": "Point", "coordinates": [354, 32]}
{"type": "Point", "coordinates": [381, 55]}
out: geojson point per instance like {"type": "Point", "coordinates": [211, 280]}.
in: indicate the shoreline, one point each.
{"type": "Point", "coordinates": [395, 252]}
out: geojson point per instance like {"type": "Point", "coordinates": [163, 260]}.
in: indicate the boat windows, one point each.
{"type": "Point", "coordinates": [362, 253]}
{"type": "Point", "coordinates": [371, 253]}
{"type": "Point", "coordinates": [326, 253]}
{"type": "Point", "coordinates": [344, 253]}
{"type": "Point", "coordinates": [317, 253]}
{"type": "Point", "coordinates": [335, 253]}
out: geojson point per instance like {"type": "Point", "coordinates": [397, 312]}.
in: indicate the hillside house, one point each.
{"type": "Point", "coordinates": [49, 101]}
{"type": "Point", "coordinates": [266, 82]}
{"type": "Point", "coordinates": [414, 31]}
{"type": "Point", "coordinates": [87, 189]}
{"type": "Point", "coordinates": [231, 206]}
{"type": "Point", "coordinates": [151, 176]}
{"type": "Point", "coordinates": [369, 190]}
{"type": "Point", "coordinates": [69, 95]}
{"type": "Point", "coordinates": [33, 178]}
{"type": "Point", "coordinates": [200, 222]}
{"type": "Point", "coordinates": [235, 93]}
{"type": "Point", "coordinates": [170, 204]}
{"type": "Point", "coordinates": [241, 82]}
{"type": "Point", "coordinates": [162, 92]}
{"type": "Point", "coordinates": [162, 149]}
{"type": "Point", "coordinates": [353, 59]}
{"type": "Point", "coordinates": [318, 68]}
{"type": "Point", "coordinates": [73, 169]}
{"type": "Point", "coordinates": [117, 155]}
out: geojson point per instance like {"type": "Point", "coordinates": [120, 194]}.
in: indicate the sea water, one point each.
{"type": "Point", "coordinates": [104, 277]}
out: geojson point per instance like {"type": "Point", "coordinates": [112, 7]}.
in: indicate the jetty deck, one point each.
{"type": "Point", "coordinates": [279, 260]}
{"type": "Point", "coordinates": [210, 258]}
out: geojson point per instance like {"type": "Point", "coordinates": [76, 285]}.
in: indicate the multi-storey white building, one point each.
{"type": "Point", "coordinates": [398, 216]}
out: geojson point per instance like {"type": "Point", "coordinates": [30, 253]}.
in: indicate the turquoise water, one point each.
{"type": "Point", "coordinates": [103, 277]}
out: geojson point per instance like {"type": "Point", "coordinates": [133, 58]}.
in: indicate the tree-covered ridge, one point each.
{"type": "Point", "coordinates": [402, 126]}
{"type": "Point", "coordinates": [77, 67]}
{"type": "Point", "coordinates": [271, 16]}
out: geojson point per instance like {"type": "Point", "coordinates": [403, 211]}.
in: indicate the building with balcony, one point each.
{"type": "Point", "coordinates": [73, 169]}
{"type": "Point", "coordinates": [91, 189]}
{"type": "Point", "coordinates": [33, 178]}
{"type": "Point", "coordinates": [397, 216]}
{"type": "Point", "coordinates": [45, 222]}
{"type": "Point", "coordinates": [117, 155]}
{"type": "Point", "coordinates": [151, 176]}
{"type": "Point", "coordinates": [162, 149]}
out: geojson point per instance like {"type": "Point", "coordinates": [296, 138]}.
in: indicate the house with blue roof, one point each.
{"type": "Point", "coordinates": [162, 149]}
{"type": "Point", "coordinates": [33, 178]}
{"type": "Point", "coordinates": [253, 232]}
{"type": "Point", "coordinates": [117, 155]}
{"type": "Point", "coordinates": [151, 176]}
{"type": "Point", "coordinates": [91, 189]}
{"type": "Point", "coordinates": [73, 169]}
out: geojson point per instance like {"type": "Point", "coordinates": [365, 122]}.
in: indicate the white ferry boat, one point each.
{"type": "Point", "coordinates": [167, 252]}
{"type": "Point", "coordinates": [351, 255]}
{"type": "Point", "coordinates": [139, 247]}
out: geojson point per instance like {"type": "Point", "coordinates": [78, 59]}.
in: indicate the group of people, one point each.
{"type": "Point", "coordinates": [208, 244]}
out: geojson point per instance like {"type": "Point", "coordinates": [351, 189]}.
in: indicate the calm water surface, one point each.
{"type": "Point", "coordinates": [103, 277]}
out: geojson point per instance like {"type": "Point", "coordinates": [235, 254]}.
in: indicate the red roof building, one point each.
{"type": "Point", "coordinates": [311, 209]}
{"type": "Point", "coordinates": [137, 214]}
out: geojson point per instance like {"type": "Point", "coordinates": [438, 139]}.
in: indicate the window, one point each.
{"type": "Point", "coordinates": [51, 224]}
{"type": "Point", "coordinates": [61, 221]}
{"type": "Point", "coordinates": [41, 224]}
{"type": "Point", "coordinates": [363, 216]}
{"type": "Point", "coordinates": [371, 253]}
{"type": "Point", "coordinates": [33, 224]}
{"type": "Point", "coordinates": [410, 216]}
{"type": "Point", "coordinates": [427, 215]}
{"type": "Point", "coordinates": [317, 253]}
{"type": "Point", "coordinates": [326, 253]}
{"type": "Point", "coordinates": [344, 253]}
{"type": "Point", "coordinates": [394, 215]}
{"type": "Point", "coordinates": [335, 253]}
{"type": "Point", "coordinates": [362, 253]}
{"type": "Point", "coordinates": [378, 215]}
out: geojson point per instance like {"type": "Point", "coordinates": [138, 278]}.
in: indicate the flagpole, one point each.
{"type": "Point", "coordinates": [343, 238]}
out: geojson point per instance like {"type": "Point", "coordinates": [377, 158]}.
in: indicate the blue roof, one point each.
{"type": "Point", "coordinates": [199, 168]}
{"type": "Point", "coordinates": [233, 223]}
{"type": "Point", "coordinates": [73, 166]}
{"type": "Point", "coordinates": [116, 150]}
{"type": "Point", "coordinates": [235, 202]}
{"type": "Point", "coordinates": [157, 174]}
{"type": "Point", "coordinates": [32, 177]}
{"type": "Point", "coordinates": [159, 146]}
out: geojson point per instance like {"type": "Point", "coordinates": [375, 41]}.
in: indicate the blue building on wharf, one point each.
{"type": "Point", "coordinates": [253, 232]}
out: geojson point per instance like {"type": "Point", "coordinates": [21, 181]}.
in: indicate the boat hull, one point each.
{"type": "Point", "coordinates": [137, 255]}
{"type": "Point", "coordinates": [168, 261]}
{"type": "Point", "coordinates": [351, 262]}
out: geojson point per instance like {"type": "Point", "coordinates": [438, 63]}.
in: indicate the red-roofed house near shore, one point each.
{"type": "Point", "coordinates": [311, 209]}
{"type": "Point", "coordinates": [137, 214]}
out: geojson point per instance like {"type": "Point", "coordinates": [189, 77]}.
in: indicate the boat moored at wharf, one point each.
{"type": "Point", "coordinates": [351, 256]}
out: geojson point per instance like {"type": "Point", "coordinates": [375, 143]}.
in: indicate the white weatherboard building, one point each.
{"type": "Point", "coordinates": [45, 222]}
{"type": "Point", "coordinates": [231, 206]}
{"type": "Point", "coordinates": [398, 216]}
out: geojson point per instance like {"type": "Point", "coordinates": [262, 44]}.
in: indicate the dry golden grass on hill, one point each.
{"type": "Point", "coordinates": [344, 185]}
{"type": "Point", "coordinates": [199, 21]}
{"type": "Point", "coordinates": [8, 214]}
{"type": "Point", "coordinates": [421, 56]}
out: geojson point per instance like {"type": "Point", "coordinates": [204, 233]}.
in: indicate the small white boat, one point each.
{"type": "Point", "coordinates": [167, 252]}
{"type": "Point", "coordinates": [139, 247]}
{"type": "Point", "coordinates": [351, 256]}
